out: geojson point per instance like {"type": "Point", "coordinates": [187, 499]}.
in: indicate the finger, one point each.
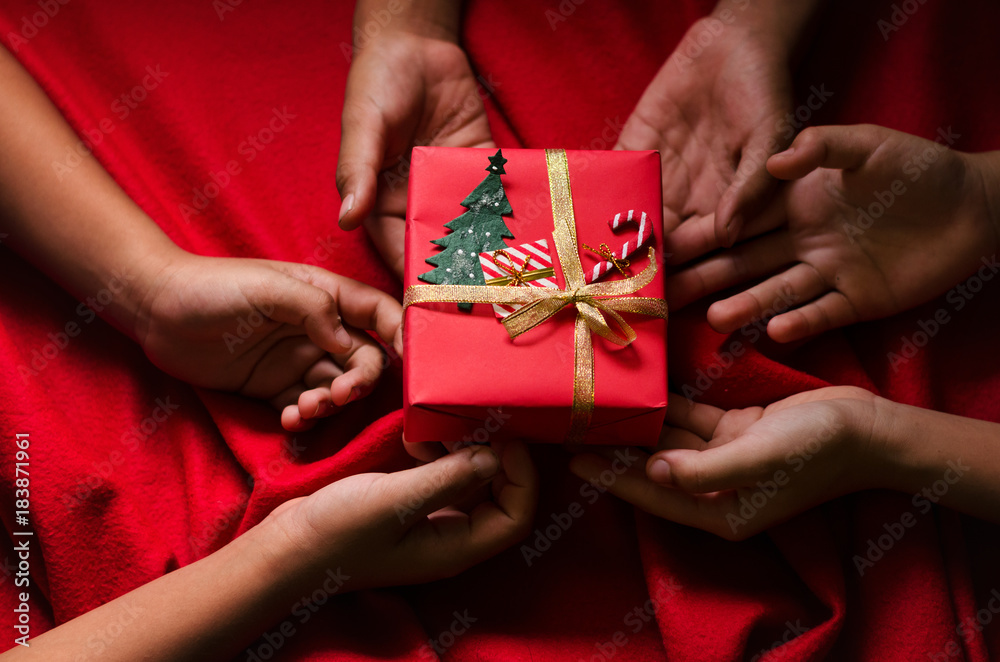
{"type": "Point", "coordinates": [449, 543]}
{"type": "Point", "coordinates": [333, 387]}
{"type": "Point", "coordinates": [773, 499]}
{"type": "Point", "coordinates": [285, 298]}
{"type": "Point", "coordinates": [692, 416]}
{"type": "Point", "coordinates": [322, 373]}
{"type": "Point", "coordinates": [626, 456]}
{"type": "Point", "coordinates": [290, 401]}
{"type": "Point", "coordinates": [424, 451]}
{"type": "Point", "coordinates": [362, 152]}
{"type": "Point", "coordinates": [671, 437]}
{"type": "Point", "coordinates": [691, 239]}
{"type": "Point", "coordinates": [292, 420]}
{"type": "Point", "coordinates": [750, 190]}
{"type": "Point", "coordinates": [795, 286]}
{"type": "Point", "coordinates": [365, 307]}
{"type": "Point", "coordinates": [281, 367]}
{"type": "Point", "coordinates": [703, 511]}
{"type": "Point", "coordinates": [315, 403]}
{"type": "Point", "coordinates": [362, 369]}
{"type": "Point", "coordinates": [638, 134]}
{"type": "Point", "coordinates": [289, 396]}
{"type": "Point", "coordinates": [722, 513]}
{"type": "Point", "coordinates": [771, 217]}
{"type": "Point", "coordinates": [437, 484]}
{"type": "Point", "coordinates": [495, 525]}
{"type": "Point", "coordinates": [733, 424]}
{"type": "Point", "coordinates": [518, 494]}
{"type": "Point", "coordinates": [739, 463]}
{"type": "Point", "coordinates": [287, 403]}
{"type": "Point", "coordinates": [733, 267]}
{"type": "Point", "coordinates": [695, 237]}
{"type": "Point", "coordinates": [831, 311]}
{"type": "Point", "coordinates": [362, 306]}
{"type": "Point", "coordinates": [842, 147]}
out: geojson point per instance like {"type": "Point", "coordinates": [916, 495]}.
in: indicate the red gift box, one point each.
{"type": "Point", "coordinates": [465, 379]}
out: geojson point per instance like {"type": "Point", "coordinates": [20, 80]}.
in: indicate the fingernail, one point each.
{"type": "Point", "coordinates": [485, 462]}
{"type": "Point", "coordinates": [659, 472]}
{"type": "Point", "coordinates": [343, 337]}
{"type": "Point", "coordinates": [355, 394]}
{"type": "Point", "coordinates": [787, 152]}
{"type": "Point", "coordinates": [346, 206]}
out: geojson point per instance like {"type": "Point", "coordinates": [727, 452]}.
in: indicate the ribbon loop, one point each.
{"type": "Point", "coordinates": [516, 275]}
{"type": "Point", "coordinates": [608, 255]}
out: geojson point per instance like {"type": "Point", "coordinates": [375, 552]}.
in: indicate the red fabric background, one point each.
{"type": "Point", "coordinates": [158, 503]}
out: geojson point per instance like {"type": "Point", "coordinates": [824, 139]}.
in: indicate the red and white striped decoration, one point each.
{"type": "Point", "coordinates": [538, 256]}
{"type": "Point", "coordinates": [628, 248]}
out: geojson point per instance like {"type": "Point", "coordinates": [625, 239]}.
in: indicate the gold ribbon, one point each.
{"type": "Point", "coordinates": [540, 304]}
{"type": "Point", "coordinates": [609, 256]}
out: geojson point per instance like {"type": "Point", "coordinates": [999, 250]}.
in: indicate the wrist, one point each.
{"type": "Point", "coordinates": [781, 25]}
{"type": "Point", "coordinates": [150, 273]}
{"type": "Point", "coordinates": [286, 543]}
{"type": "Point", "coordinates": [862, 422]}
{"type": "Point", "coordinates": [908, 438]}
{"type": "Point", "coordinates": [432, 19]}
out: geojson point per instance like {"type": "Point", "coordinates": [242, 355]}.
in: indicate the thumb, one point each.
{"type": "Point", "coordinates": [415, 493]}
{"type": "Point", "coordinates": [749, 191]}
{"type": "Point", "coordinates": [729, 466]}
{"type": "Point", "coordinates": [841, 147]}
{"type": "Point", "coordinates": [362, 152]}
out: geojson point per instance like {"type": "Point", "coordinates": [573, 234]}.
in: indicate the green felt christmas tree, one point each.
{"type": "Point", "coordinates": [479, 230]}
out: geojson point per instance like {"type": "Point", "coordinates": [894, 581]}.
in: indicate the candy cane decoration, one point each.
{"type": "Point", "coordinates": [628, 248]}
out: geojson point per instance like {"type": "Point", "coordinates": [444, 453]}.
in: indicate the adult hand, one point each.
{"type": "Point", "coordinates": [715, 112]}
{"type": "Point", "coordinates": [404, 89]}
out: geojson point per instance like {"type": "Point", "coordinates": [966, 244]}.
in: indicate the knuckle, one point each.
{"type": "Point", "coordinates": [740, 266]}
{"type": "Point", "coordinates": [809, 135]}
{"type": "Point", "coordinates": [371, 372]}
{"type": "Point", "coordinates": [326, 305]}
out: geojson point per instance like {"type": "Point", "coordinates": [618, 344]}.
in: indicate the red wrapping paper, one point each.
{"type": "Point", "coordinates": [464, 378]}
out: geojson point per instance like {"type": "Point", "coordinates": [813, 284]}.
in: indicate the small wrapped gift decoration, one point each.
{"type": "Point", "coordinates": [562, 247]}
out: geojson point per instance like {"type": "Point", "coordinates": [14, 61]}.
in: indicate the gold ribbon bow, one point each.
{"type": "Point", "coordinates": [540, 304]}
{"type": "Point", "coordinates": [609, 256]}
{"type": "Point", "coordinates": [517, 277]}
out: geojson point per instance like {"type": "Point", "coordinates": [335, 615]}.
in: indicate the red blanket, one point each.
{"type": "Point", "coordinates": [135, 473]}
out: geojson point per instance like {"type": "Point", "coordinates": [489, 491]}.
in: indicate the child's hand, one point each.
{"type": "Point", "coordinates": [739, 472]}
{"type": "Point", "coordinates": [405, 528]}
{"type": "Point", "coordinates": [925, 226]}
{"type": "Point", "coordinates": [288, 333]}
{"type": "Point", "coordinates": [404, 89]}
